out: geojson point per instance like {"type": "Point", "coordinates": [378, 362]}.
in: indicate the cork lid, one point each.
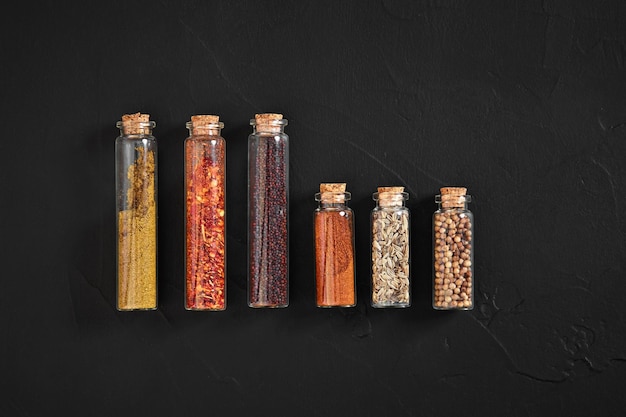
{"type": "Point", "coordinates": [136, 124]}
{"type": "Point", "coordinates": [333, 193]}
{"type": "Point", "coordinates": [268, 122]}
{"type": "Point", "coordinates": [204, 119]}
{"type": "Point", "coordinates": [390, 189]}
{"type": "Point", "coordinates": [205, 124]}
{"type": "Point", "coordinates": [265, 118]}
{"type": "Point", "coordinates": [453, 190]}
{"type": "Point", "coordinates": [337, 187]}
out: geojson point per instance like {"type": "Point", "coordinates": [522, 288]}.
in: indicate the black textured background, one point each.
{"type": "Point", "coordinates": [523, 102]}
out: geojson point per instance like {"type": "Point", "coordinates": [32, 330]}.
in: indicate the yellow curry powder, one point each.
{"type": "Point", "coordinates": [137, 263]}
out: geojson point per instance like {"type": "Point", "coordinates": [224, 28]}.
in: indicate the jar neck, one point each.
{"type": "Point", "coordinates": [268, 129]}
{"type": "Point", "coordinates": [268, 125]}
{"type": "Point", "coordinates": [390, 199]}
{"type": "Point", "coordinates": [135, 128]}
{"type": "Point", "coordinates": [332, 199]}
{"type": "Point", "coordinates": [453, 202]}
{"type": "Point", "coordinates": [205, 129]}
{"type": "Point", "coordinates": [332, 205]}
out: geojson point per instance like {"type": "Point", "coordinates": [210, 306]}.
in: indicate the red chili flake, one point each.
{"type": "Point", "coordinates": [205, 223]}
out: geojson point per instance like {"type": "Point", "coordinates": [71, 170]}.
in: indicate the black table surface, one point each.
{"type": "Point", "coordinates": [522, 102]}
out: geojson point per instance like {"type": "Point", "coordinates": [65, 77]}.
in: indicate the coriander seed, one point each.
{"type": "Point", "coordinates": [453, 251]}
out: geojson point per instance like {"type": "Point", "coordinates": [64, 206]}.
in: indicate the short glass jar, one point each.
{"type": "Point", "coordinates": [453, 251]}
{"type": "Point", "coordinates": [391, 251]}
{"type": "Point", "coordinates": [334, 248]}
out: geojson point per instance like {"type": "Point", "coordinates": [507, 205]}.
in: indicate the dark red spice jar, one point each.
{"type": "Point", "coordinates": [205, 215]}
{"type": "Point", "coordinates": [268, 212]}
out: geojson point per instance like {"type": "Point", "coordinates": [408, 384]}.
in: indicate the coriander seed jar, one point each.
{"type": "Point", "coordinates": [453, 251]}
{"type": "Point", "coordinates": [136, 194]}
{"type": "Point", "coordinates": [268, 212]}
{"type": "Point", "coordinates": [390, 244]}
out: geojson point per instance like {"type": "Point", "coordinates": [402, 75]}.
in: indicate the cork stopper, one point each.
{"type": "Point", "coordinates": [136, 124]}
{"type": "Point", "coordinates": [453, 197]}
{"type": "Point", "coordinates": [269, 122]}
{"type": "Point", "coordinates": [390, 189]}
{"type": "Point", "coordinates": [205, 124]}
{"type": "Point", "coordinates": [333, 193]}
{"type": "Point", "coordinates": [339, 187]}
{"type": "Point", "coordinates": [453, 190]}
{"type": "Point", "coordinates": [264, 118]}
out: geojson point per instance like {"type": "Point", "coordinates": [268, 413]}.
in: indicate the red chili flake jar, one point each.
{"type": "Point", "coordinates": [205, 214]}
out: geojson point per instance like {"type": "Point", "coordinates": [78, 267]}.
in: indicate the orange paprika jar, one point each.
{"type": "Point", "coordinates": [334, 248]}
{"type": "Point", "coordinates": [205, 214]}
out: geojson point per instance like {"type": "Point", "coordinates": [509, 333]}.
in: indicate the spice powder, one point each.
{"type": "Point", "coordinates": [137, 288]}
{"type": "Point", "coordinates": [334, 248]}
{"type": "Point", "coordinates": [335, 259]}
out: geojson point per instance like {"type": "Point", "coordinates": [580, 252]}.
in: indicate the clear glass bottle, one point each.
{"type": "Point", "coordinates": [136, 193]}
{"type": "Point", "coordinates": [453, 257]}
{"type": "Point", "coordinates": [268, 212]}
{"type": "Point", "coordinates": [391, 250]}
{"type": "Point", "coordinates": [205, 214]}
{"type": "Point", "coordinates": [334, 248]}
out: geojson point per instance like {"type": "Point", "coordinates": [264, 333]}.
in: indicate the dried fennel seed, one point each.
{"type": "Point", "coordinates": [390, 258]}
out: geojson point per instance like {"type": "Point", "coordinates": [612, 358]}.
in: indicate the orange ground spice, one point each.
{"type": "Point", "coordinates": [334, 258]}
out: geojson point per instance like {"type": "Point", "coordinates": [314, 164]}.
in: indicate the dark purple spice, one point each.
{"type": "Point", "coordinates": [268, 246]}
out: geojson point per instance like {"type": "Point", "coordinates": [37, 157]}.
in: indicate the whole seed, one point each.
{"type": "Point", "coordinates": [268, 197]}
{"type": "Point", "coordinates": [452, 257]}
{"type": "Point", "coordinates": [390, 249]}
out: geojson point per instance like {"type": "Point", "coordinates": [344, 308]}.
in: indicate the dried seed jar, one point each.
{"type": "Point", "coordinates": [205, 214]}
{"type": "Point", "coordinates": [334, 248]}
{"type": "Point", "coordinates": [390, 221]}
{"type": "Point", "coordinates": [136, 193]}
{"type": "Point", "coordinates": [453, 257]}
{"type": "Point", "coordinates": [268, 212]}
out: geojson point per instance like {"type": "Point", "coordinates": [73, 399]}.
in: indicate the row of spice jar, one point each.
{"type": "Point", "coordinates": [268, 249]}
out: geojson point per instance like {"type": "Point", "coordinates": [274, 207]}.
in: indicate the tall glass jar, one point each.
{"type": "Point", "coordinates": [391, 252]}
{"type": "Point", "coordinates": [136, 193]}
{"type": "Point", "coordinates": [334, 248]}
{"type": "Point", "coordinates": [268, 212]}
{"type": "Point", "coordinates": [205, 214]}
{"type": "Point", "coordinates": [453, 257]}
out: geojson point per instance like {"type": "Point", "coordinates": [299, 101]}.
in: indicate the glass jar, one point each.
{"type": "Point", "coordinates": [205, 214]}
{"type": "Point", "coordinates": [390, 238]}
{"type": "Point", "coordinates": [268, 212]}
{"type": "Point", "coordinates": [136, 193]}
{"type": "Point", "coordinates": [334, 248]}
{"type": "Point", "coordinates": [453, 257]}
